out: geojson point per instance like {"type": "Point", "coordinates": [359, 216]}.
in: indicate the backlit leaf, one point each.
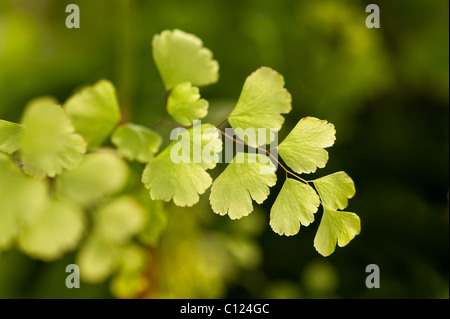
{"type": "Point", "coordinates": [49, 143]}
{"type": "Point", "coordinates": [136, 142]}
{"type": "Point", "coordinates": [21, 198]}
{"type": "Point", "coordinates": [155, 222]}
{"type": "Point", "coordinates": [335, 190]}
{"type": "Point", "coordinates": [55, 231]}
{"type": "Point", "coordinates": [181, 57]}
{"type": "Point", "coordinates": [303, 149]}
{"type": "Point", "coordinates": [183, 182]}
{"type": "Point", "coordinates": [296, 204]}
{"type": "Point", "coordinates": [94, 112]}
{"type": "Point", "coordinates": [120, 219]}
{"type": "Point", "coordinates": [178, 172]}
{"type": "Point", "coordinates": [10, 134]}
{"type": "Point", "coordinates": [247, 178]}
{"type": "Point", "coordinates": [97, 259]}
{"type": "Point", "coordinates": [185, 105]}
{"type": "Point", "coordinates": [336, 227]}
{"type": "Point", "coordinates": [99, 174]}
{"type": "Point", "coordinates": [262, 101]}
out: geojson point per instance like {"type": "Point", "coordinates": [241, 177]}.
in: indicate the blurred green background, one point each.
{"type": "Point", "coordinates": [386, 90]}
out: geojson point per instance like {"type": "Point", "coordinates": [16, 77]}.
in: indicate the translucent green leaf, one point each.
{"type": "Point", "coordinates": [10, 134]}
{"type": "Point", "coordinates": [55, 231]}
{"type": "Point", "coordinates": [128, 285]}
{"type": "Point", "coordinates": [136, 142]}
{"type": "Point", "coordinates": [97, 259]}
{"type": "Point", "coordinates": [245, 252]}
{"type": "Point", "coordinates": [200, 144]}
{"type": "Point", "coordinates": [336, 227]}
{"type": "Point", "coordinates": [49, 143]}
{"type": "Point", "coordinates": [132, 258]}
{"type": "Point", "coordinates": [247, 177]}
{"type": "Point", "coordinates": [262, 101]}
{"type": "Point", "coordinates": [181, 57]}
{"type": "Point", "coordinates": [155, 223]}
{"type": "Point", "coordinates": [99, 174]}
{"type": "Point", "coordinates": [178, 172]}
{"type": "Point", "coordinates": [296, 204]}
{"type": "Point", "coordinates": [303, 149]}
{"type": "Point", "coordinates": [335, 190]}
{"type": "Point", "coordinates": [185, 105]}
{"type": "Point", "coordinates": [94, 111]}
{"type": "Point", "coordinates": [120, 219]}
{"type": "Point", "coordinates": [130, 280]}
{"type": "Point", "coordinates": [21, 198]}
{"type": "Point", "coordinates": [183, 182]}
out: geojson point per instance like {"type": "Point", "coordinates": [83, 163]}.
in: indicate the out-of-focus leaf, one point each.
{"type": "Point", "coordinates": [94, 111]}
{"type": "Point", "coordinates": [136, 142]}
{"type": "Point", "coordinates": [56, 230]}
{"type": "Point", "coordinates": [99, 174]}
{"type": "Point", "coordinates": [10, 134]}
{"type": "Point", "coordinates": [97, 259]}
{"type": "Point", "coordinates": [49, 143]}
{"type": "Point", "coordinates": [132, 258]}
{"type": "Point", "coordinates": [21, 198]}
{"type": "Point", "coordinates": [120, 219]}
{"type": "Point", "coordinates": [156, 221]}
{"type": "Point", "coordinates": [128, 285]}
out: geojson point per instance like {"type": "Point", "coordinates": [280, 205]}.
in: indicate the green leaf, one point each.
{"type": "Point", "coordinates": [200, 144]}
{"type": "Point", "coordinates": [100, 257]}
{"type": "Point", "coordinates": [55, 231]}
{"type": "Point", "coordinates": [296, 204]}
{"type": "Point", "coordinates": [247, 177]}
{"type": "Point", "coordinates": [180, 57]}
{"type": "Point", "coordinates": [99, 175]}
{"type": "Point", "coordinates": [303, 149]}
{"type": "Point", "coordinates": [49, 143]}
{"type": "Point", "coordinates": [336, 227]}
{"type": "Point", "coordinates": [94, 111]}
{"type": "Point", "coordinates": [130, 280]}
{"type": "Point", "coordinates": [136, 142]}
{"type": "Point", "coordinates": [335, 190]}
{"type": "Point", "coordinates": [155, 223]}
{"type": "Point", "coordinates": [120, 219]}
{"type": "Point", "coordinates": [262, 101]}
{"type": "Point", "coordinates": [182, 177]}
{"type": "Point", "coordinates": [185, 105]}
{"type": "Point", "coordinates": [183, 182]}
{"type": "Point", "coordinates": [97, 259]}
{"type": "Point", "coordinates": [128, 285]}
{"type": "Point", "coordinates": [132, 259]}
{"type": "Point", "coordinates": [21, 198]}
{"type": "Point", "coordinates": [10, 134]}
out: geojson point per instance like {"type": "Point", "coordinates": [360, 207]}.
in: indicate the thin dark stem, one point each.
{"type": "Point", "coordinates": [165, 123]}
{"type": "Point", "coordinates": [218, 125]}
{"type": "Point", "coordinates": [265, 151]}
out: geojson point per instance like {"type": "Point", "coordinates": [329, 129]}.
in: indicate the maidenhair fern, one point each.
{"type": "Point", "coordinates": [57, 159]}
